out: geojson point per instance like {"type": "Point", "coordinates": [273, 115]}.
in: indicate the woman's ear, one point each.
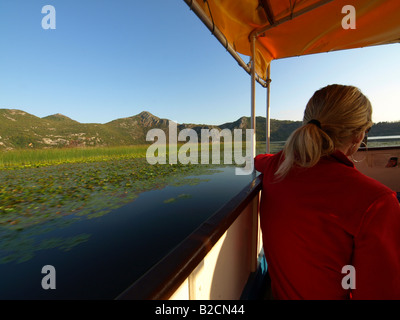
{"type": "Point", "coordinates": [358, 138]}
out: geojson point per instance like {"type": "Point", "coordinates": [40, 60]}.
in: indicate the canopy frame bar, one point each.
{"type": "Point", "coordinates": [194, 6]}
{"type": "Point", "coordinates": [258, 32]}
{"type": "Point", "coordinates": [268, 11]}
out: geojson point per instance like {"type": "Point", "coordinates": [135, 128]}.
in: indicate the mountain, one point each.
{"type": "Point", "coordinates": [19, 129]}
{"type": "Point", "coordinates": [59, 117]}
{"type": "Point", "coordinates": [385, 129]}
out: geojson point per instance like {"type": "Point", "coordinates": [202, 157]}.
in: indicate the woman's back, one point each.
{"type": "Point", "coordinates": [317, 220]}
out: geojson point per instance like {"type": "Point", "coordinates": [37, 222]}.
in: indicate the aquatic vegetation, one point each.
{"type": "Point", "coordinates": [46, 190]}
{"type": "Point", "coordinates": [21, 249]}
{"type": "Point", "coordinates": [34, 195]}
{"type": "Point", "coordinates": [26, 158]}
{"type": "Point", "coordinates": [179, 197]}
{"type": "Point", "coordinates": [35, 201]}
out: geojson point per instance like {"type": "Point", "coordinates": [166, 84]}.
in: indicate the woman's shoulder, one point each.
{"type": "Point", "coordinates": [263, 161]}
{"type": "Point", "coordinates": [343, 167]}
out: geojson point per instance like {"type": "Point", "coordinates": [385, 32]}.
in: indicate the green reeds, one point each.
{"type": "Point", "coordinates": [44, 157]}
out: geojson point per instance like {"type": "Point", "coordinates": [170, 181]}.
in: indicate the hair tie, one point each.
{"type": "Point", "coordinates": [316, 122]}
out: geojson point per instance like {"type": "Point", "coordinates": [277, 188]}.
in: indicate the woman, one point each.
{"type": "Point", "coordinates": [329, 232]}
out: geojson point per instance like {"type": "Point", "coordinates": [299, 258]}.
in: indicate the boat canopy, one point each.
{"type": "Point", "coordinates": [288, 28]}
{"type": "Point", "coordinates": [267, 30]}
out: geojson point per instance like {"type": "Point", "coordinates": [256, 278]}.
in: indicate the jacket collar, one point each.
{"type": "Point", "coordinates": [342, 158]}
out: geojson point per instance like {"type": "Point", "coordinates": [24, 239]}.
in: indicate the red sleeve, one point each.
{"type": "Point", "coordinates": [376, 257]}
{"type": "Point", "coordinates": [260, 162]}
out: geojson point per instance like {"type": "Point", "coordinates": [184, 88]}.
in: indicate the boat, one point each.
{"type": "Point", "coordinates": [223, 258]}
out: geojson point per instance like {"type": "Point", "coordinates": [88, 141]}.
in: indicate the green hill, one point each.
{"type": "Point", "coordinates": [19, 129]}
{"type": "Point", "coordinates": [385, 129]}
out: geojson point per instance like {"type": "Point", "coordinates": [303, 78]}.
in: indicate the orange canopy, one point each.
{"type": "Point", "coordinates": [287, 28]}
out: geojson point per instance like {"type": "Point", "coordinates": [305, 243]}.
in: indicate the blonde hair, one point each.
{"type": "Point", "coordinates": [342, 112]}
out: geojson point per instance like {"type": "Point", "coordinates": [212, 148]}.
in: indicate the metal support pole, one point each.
{"type": "Point", "coordinates": [253, 94]}
{"type": "Point", "coordinates": [255, 226]}
{"type": "Point", "coordinates": [268, 124]}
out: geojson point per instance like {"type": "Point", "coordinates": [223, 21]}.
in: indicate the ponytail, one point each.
{"type": "Point", "coordinates": [304, 148]}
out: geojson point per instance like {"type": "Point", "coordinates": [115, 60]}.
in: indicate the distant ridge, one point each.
{"type": "Point", "coordinates": [19, 130]}
{"type": "Point", "coordinates": [58, 117]}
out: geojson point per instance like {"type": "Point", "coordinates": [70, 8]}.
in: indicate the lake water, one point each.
{"type": "Point", "coordinates": [99, 258]}
{"type": "Point", "coordinates": [383, 137]}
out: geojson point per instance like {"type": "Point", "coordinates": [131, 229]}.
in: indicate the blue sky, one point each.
{"type": "Point", "coordinates": [112, 59]}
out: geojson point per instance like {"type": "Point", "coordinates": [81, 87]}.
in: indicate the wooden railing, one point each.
{"type": "Point", "coordinates": [372, 162]}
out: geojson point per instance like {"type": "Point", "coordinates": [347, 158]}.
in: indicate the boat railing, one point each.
{"type": "Point", "coordinates": [377, 163]}
{"type": "Point", "coordinates": [217, 261]}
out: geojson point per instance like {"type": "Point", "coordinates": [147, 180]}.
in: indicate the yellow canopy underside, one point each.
{"type": "Point", "coordinates": [302, 27]}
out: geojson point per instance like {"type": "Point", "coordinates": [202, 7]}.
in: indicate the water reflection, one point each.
{"type": "Point", "coordinates": [99, 254]}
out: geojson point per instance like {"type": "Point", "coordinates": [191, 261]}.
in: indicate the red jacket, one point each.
{"type": "Point", "coordinates": [317, 220]}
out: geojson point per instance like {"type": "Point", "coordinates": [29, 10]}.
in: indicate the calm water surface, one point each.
{"type": "Point", "coordinates": [99, 258]}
